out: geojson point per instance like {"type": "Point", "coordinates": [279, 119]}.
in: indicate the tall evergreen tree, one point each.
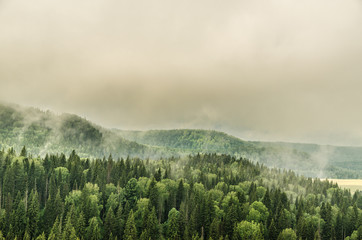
{"type": "Point", "coordinates": [93, 230]}
{"type": "Point", "coordinates": [20, 220]}
{"type": "Point", "coordinates": [152, 225]}
{"type": "Point", "coordinates": [56, 232]}
{"type": "Point", "coordinates": [179, 194]}
{"type": "Point", "coordinates": [33, 214]}
{"type": "Point", "coordinates": [130, 233]}
{"type": "Point", "coordinates": [69, 231]}
{"type": "Point", "coordinates": [109, 224]}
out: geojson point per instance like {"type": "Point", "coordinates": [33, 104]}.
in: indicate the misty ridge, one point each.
{"type": "Point", "coordinates": [44, 132]}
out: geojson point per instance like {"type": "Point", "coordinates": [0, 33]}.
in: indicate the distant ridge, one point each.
{"type": "Point", "coordinates": [45, 132]}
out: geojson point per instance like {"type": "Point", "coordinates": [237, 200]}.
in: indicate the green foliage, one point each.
{"type": "Point", "coordinates": [173, 229]}
{"type": "Point", "coordinates": [287, 234]}
{"type": "Point", "coordinates": [247, 231]}
{"type": "Point", "coordinates": [130, 232]}
{"type": "Point", "coordinates": [69, 231]}
{"type": "Point", "coordinates": [207, 196]}
{"type": "Point", "coordinates": [43, 132]}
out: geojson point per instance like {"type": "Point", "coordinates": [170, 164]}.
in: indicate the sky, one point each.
{"type": "Point", "coordinates": [272, 70]}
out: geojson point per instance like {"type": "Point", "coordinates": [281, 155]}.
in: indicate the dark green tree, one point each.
{"type": "Point", "coordinates": [109, 224]}
{"type": "Point", "coordinates": [93, 231]}
{"type": "Point", "coordinates": [33, 214]}
{"type": "Point", "coordinates": [130, 232]}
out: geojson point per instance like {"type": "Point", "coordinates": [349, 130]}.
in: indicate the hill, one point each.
{"type": "Point", "coordinates": [193, 141]}
{"type": "Point", "coordinates": [45, 132]}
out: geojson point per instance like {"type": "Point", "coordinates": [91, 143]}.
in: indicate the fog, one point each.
{"type": "Point", "coordinates": [273, 70]}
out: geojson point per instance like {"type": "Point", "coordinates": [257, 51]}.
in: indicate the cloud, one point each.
{"type": "Point", "coordinates": [272, 70]}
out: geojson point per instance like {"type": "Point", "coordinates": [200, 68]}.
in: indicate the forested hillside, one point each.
{"type": "Point", "coordinates": [307, 159]}
{"type": "Point", "coordinates": [206, 196]}
{"type": "Point", "coordinates": [45, 132]}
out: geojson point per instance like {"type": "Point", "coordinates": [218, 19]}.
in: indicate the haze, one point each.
{"type": "Point", "coordinates": [275, 70]}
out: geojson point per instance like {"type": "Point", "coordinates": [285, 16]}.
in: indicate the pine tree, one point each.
{"type": "Point", "coordinates": [120, 221]}
{"type": "Point", "coordinates": [41, 237]}
{"type": "Point", "coordinates": [23, 152]}
{"type": "Point", "coordinates": [230, 219]}
{"type": "Point", "coordinates": [93, 230]}
{"type": "Point", "coordinates": [109, 223]}
{"type": "Point", "coordinates": [173, 224]}
{"type": "Point", "coordinates": [69, 231]}
{"type": "Point", "coordinates": [179, 194]}
{"type": "Point", "coordinates": [80, 225]}
{"type": "Point", "coordinates": [215, 229]}
{"type": "Point", "coordinates": [56, 232]}
{"type": "Point", "coordinates": [33, 214]}
{"type": "Point", "coordinates": [145, 235]}
{"type": "Point", "coordinates": [326, 215]}
{"type": "Point", "coordinates": [273, 232]}
{"type": "Point", "coordinates": [20, 220]}
{"type": "Point", "coordinates": [26, 235]}
{"type": "Point", "coordinates": [158, 175]}
{"type": "Point", "coordinates": [153, 194]}
{"type": "Point", "coordinates": [131, 192]}
{"type": "Point", "coordinates": [152, 225]}
{"type": "Point", "coordinates": [130, 233]}
{"type": "Point", "coordinates": [339, 227]}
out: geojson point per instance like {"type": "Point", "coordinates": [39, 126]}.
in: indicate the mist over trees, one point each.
{"type": "Point", "coordinates": [45, 132]}
{"type": "Point", "coordinates": [202, 196]}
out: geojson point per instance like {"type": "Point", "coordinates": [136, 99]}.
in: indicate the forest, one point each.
{"type": "Point", "coordinates": [200, 196]}
{"type": "Point", "coordinates": [44, 132]}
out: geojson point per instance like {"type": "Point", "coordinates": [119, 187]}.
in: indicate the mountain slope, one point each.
{"type": "Point", "coordinates": [218, 142]}
{"type": "Point", "coordinates": [307, 159]}
{"type": "Point", "coordinates": [44, 132]}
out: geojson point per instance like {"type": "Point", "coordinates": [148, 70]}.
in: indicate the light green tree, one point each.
{"type": "Point", "coordinates": [287, 234]}
{"type": "Point", "coordinates": [247, 231]}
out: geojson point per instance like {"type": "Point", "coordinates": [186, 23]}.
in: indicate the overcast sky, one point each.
{"type": "Point", "coordinates": [276, 70]}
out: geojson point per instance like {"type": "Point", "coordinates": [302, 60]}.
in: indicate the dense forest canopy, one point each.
{"type": "Point", "coordinates": [202, 196]}
{"type": "Point", "coordinates": [44, 132]}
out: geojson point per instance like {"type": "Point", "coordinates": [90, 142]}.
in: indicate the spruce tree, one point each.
{"type": "Point", "coordinates": [109, 223]}
{"type": "Point", "coordinates": [56, 232]}
{"type": "Point", "coordinates": [69, 231]}
{"type": "Point", "coordinates": [93, 230]}
{"type": "Point", "coordinates": [130, 233]}
{"type": "Point", "coordinates": [173, 231]}
{"type": "Point", "coordinates": [33, 214]}
{"type": "Point", "coordinates": [152, 225]}
{"type": "Point", "coordinates": [20, 220]}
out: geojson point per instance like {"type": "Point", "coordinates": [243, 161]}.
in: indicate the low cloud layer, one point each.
{"type": "Point", "coordinates": [275, 70]}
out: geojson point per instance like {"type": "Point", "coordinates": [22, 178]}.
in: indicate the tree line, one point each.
{"type": "Point", "coordinates": [201, 196]}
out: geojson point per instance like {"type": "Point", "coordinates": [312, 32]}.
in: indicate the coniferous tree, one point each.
{"type": "Point", "coordinates": [131, 192]}
{"type": "Point", "coordinates": [41, 237]}
{"type": "Point", "coordinates": [173, 230]}
{"type": "Point", "coordinates": [109, 224]}
{"type": "Point", "coordinates": [33, 214]}
{"type": "Point", "coordinates": [80, 225]}
{"type": "Point", "coordinates": [179, 194]}
{"type": "Point", "coordinates": [152, 225]}
{"type": "Point", "coordinates": [120, 221]}
{"type": "Point", "coordinates": [153, 193]}
{"type": "Point", "coordinates": [23, 152]}
{"type": "Point", "coordinates": [69, 231]}
{"type": "Point", "coordinates": [93, 230]}
{"type": "Point", "coordinates": [20, 220]}
{"type": "Point", "coordinates": [130, 232]}
{"type": "Point", "coordinates": [56, 232]}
